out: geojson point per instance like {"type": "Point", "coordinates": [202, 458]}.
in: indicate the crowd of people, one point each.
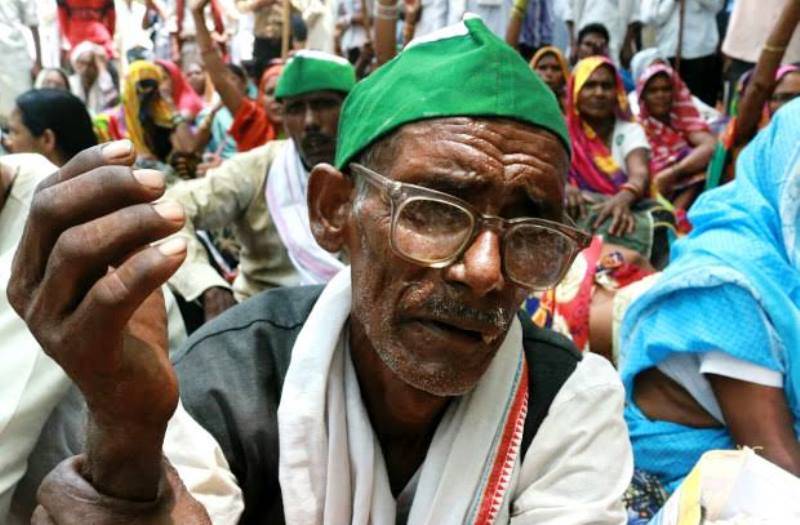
{"type": "Point", "coordinates": [423, 262]}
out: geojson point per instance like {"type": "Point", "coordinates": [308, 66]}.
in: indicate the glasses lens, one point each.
{"type": "Point", "coordinates": [431, 231]}
{"type": "Point", "coordinates": [537, 256]}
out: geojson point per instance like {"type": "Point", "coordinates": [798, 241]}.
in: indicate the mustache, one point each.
{"type": "Point", "coordinates": [448, 308]}
{"type": "Point", "coordinates": [315, 137]}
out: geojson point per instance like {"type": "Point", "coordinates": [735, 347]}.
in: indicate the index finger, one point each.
{"type": "Point", "coordinates": [118, 153]}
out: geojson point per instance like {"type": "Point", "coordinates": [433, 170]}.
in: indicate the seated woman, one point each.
{"type": "Point", "coordinates": [551, 66]}
{"type": "Point", "coordinates": [51, 122]}
{"type": "Point", "coordinates": [681, 142]}
{"type": "Point", "coordinates": [711, 354]}
{"type": "Point", "coordinates": [610, 177]}
{"type": "Point", "coordinates": [158, 130]}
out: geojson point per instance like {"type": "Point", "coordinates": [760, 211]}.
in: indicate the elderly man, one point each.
{"type": "Point", "coordinates": [262, 193]}
{"type": "Point", "coordinates": [405, 391]}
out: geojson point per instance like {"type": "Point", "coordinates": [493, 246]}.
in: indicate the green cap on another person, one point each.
{"type": "Point", "coordinates": [460, 70]}
{"type": "Point", "coordinates": [308, 71]}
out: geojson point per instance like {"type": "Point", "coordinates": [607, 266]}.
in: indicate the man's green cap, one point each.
{"type": "Point", "coordinates": [460, 70]}
{"type": "Point", "coordinates": [309, 71]}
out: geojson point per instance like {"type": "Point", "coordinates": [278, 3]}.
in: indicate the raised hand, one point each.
{"type": "Point", "coordinates": [86, 281]}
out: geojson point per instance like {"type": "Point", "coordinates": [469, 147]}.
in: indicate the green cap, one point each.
{"type": "Point", "coordinates": [460, 70]}
{"type": "Point", "coordinates": [308, 71]}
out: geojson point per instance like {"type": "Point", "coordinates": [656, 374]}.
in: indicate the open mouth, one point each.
{"type": "Point", "coordinates": [458, 333]}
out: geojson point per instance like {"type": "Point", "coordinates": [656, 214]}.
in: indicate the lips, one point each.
{"type": "Point", "coordinates": [461, 329]}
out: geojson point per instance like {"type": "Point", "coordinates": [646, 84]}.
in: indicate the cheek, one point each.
{"type": "Point", "coordinates": [330, 121]}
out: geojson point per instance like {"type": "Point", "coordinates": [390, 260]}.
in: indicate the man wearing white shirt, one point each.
{"type": "Point", "coordinates": [617, 16]}
{"type": "Point", "coordinates": [700, 66]}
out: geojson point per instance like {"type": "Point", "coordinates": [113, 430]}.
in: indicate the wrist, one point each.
{"type": "Point", "coordinates": [124, 460]}
{"type": "Point", "coordinates": [632, 191]}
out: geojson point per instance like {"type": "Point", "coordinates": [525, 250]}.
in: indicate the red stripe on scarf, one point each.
{"type": "Point", "coordinates": [500, 476]}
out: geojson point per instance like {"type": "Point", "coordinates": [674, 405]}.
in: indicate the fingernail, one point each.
{"type": "Point", "coordinates": [117, 150]}
{"type": "Point", "coordinates": [170, 210]}
{"type": "Point", "coordinates": [172, 247]}
{"type": "Point", "coordinates": [152, 179]}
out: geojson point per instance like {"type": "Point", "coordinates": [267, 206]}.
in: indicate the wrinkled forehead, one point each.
{"type": "Point", "coordinates": [477, 159]}
{"type": "Point", "coordinates": [479, 144]}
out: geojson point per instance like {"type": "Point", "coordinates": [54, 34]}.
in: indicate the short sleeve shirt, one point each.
{"type": "Point", "coordinates": [627, 137]}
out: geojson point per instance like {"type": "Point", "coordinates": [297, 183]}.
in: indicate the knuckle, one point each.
{"type": "Point", "coordinates": [43, 209]}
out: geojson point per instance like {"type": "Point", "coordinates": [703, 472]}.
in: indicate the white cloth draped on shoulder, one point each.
{"type": "Point", "coordinates": [332, 470]}
{"type": "Point", "coordinates": [287, 202]}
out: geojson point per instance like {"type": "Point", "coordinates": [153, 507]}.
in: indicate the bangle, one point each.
{"type": "Point", "coordinates": [773, 49]}
{"type": "Point", "coordinates": [632, 188]}
{"type": "Point", "coordinates": [386, 12]}
{"type": "Point", "coordinates": [177, 120]}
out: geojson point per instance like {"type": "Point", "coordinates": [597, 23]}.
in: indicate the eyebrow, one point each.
{"type": "Point", "coordinates": [462, 187]}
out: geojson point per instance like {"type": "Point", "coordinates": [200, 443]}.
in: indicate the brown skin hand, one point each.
{"type": "Point", "coordinates": [411, 357]}
{"type": "Point", "coordinates": [85, 266]}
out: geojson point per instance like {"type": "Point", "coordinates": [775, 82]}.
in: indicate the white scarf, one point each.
{"type": "Point", "coordinates": [332, 471]}
{"type": "Point", "coordinates": [287, 203]}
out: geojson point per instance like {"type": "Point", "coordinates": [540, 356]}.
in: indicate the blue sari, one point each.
{"type": "Point", "coordinates": [733, 286]}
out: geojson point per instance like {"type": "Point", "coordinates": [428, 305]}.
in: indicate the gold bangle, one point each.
{"type": "Point", "coordinates": [773, 49]}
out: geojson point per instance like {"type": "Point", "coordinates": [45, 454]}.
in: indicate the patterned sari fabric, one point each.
{"type": "Point", "coordinates": [669, 141]}
{"type": "Point", "coordinates": [742, 262]}
{"type": "Point", "coordinates": [593, 167]}
{"type": "Point", "coordinates": [566, 308]}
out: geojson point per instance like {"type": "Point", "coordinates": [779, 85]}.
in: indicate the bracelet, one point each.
{"type": "Point", "coordinates": [632, 188]}
{"type": "Point", "coordinates": [773, 49]}
{"type": "Point", "coordinates": [386, 12]}
{"type": "Point", "coordinates": [177, 120]}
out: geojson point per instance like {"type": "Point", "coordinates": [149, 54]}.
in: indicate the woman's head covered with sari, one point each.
{"type": "Point", "coordinates": [551, 65]}
{"type": "Point", "coordinates": [733, 285]}
{"type": "Point", "coordinates": [266, 96]}
{"type": "Point", "coordinates": [143, 105]}
{"type": "Point", "coordinates": [593, 167]}
{"type": "Point", "coordinates": [667, 113]}
{"type": "Point", "coordinates": [185, 98]}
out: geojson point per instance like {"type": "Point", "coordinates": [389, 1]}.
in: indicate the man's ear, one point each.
{"type": "Point", "coordinates": [48, 142]}
{"type": "Point", "coordinates": [330, 195]}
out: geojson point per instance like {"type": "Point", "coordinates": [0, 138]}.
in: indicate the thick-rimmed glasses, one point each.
{"type": "Point", "coordinates": [433, 229]}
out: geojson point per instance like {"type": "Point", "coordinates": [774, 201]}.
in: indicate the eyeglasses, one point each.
{"type": "Point", "coordinates": [433, 229]}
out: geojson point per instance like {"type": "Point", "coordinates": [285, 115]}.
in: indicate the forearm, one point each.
{"type": "Point", "coordinates": [385, 28]}
{"type": "Point", "coordinates": [696, 161]}
{"type": "Point", "coordinates": [212, 60]}
{"type": "Point", "coordinates": [37, 44]}
{"type": "Point", "coordinates": [183, 140]}
{"type": "Point", "coordinates": [124, 461]}
{"type": "Point", "coordinates": [761, 85]}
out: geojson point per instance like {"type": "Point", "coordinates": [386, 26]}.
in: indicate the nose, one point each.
{"type": "Point", "coordinates": [481, 266]}
{"type": "Point", "coordinates": [310, 120]}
